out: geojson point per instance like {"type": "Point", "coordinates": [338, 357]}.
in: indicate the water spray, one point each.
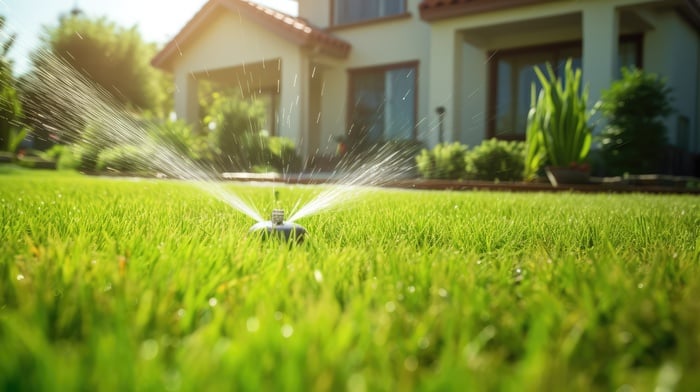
{"type": "Point", "coordinates": [276, 227]}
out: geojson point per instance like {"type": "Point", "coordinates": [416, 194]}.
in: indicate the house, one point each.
{"type": "Point", "coordinates": [384, 69]}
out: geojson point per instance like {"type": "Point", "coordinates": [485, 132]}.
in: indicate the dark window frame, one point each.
{"type": "Point", "coordinates": [496, 55]}
{"type": "Point", "coordinates": [334, 25]}
{"type": "Point", "coordinates": [350, 104]}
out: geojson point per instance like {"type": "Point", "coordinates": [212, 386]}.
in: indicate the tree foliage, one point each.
{"type": "Point", "coordinates": [634, 107]}
{"type": "Point", "coordinates": [10, 107]}
{"type": "Point", "coordinates": [114, 57]}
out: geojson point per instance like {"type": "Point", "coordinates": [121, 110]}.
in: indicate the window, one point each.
{"type": "Point", "coordinates": [382, 104]}
{"type": "Point", "coordinates": [512, 75]}
{"type": "Point", "coordinates": [354, 11]}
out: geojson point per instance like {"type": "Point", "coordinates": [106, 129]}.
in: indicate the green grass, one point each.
{"type": "Point", "coordinates": [117, 284]}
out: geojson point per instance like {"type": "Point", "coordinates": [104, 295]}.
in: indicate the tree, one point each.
{"type": "Point", "coordinates": [116, 58]}
{"type": "Point", "coordinates": [10, 107]}
{"type": "Point", "coordinates": [634, 138]}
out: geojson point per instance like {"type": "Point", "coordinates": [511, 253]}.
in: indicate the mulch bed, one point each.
{"type": "Point", "coordinates": [634, 184]}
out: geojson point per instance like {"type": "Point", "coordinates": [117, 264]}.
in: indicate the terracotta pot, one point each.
{"type": "Point", "coordinates": [566, 175]}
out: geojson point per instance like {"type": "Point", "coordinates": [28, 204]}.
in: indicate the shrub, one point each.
{"type": "Point", "coordinates": [233, 120]}
{"type": "Point", "coordinates": [444, 161]}
{"type": "Point", "coordinates": [496, 160]}
{"type": "Point", "coordinates": [179, 137]}
{"type": "Point", "coordinates": [66, 156]}
{"type": "Point", "coordinates": [558, 132]}
{"type": "Point", "coordinates": [125, 158]}
{"type": "Point", "coordinates": [634, 108]}
{"type": "Point", "coordinates": [94, 139]}
{"type": "Point", "coordinates": [283, 154]}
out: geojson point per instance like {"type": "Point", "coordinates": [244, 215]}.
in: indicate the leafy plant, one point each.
{"type": "Point", "coordinates": [16, 137]}
{"type": "Point", "coordinates": [231, 119]}
{"type": "Point", "coordinates": [444, 161]}
{"type": "Point", "coordinates": [496, 159]}
{"type": "Point", "coordinates": [558, 132]}
{"type": "Point", "coordinates": [634, 108]}
{"type": "Point", "coordinates": [66, 156]}
{"type": "Point", "coordinates": [179, 137]}
{"type": "Point", "coordinates": [125, 158]}
{"type": "Point", "coordinates": [10, 106]}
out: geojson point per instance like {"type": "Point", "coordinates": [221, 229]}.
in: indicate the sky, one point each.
{"type": "Point", "coordinates": [157, 20]}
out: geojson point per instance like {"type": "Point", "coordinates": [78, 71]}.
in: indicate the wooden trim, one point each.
{"type": "Point", "coordinates": [415, 64]}
{"type": "Point", "coordinates": [333, 26]}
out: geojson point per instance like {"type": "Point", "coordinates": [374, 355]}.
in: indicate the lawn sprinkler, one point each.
{"type": "Point", "coordinates": [276, 227]}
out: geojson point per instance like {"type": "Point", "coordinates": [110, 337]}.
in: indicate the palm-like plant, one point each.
{"type": "Point", "coordinates": [558, 132]}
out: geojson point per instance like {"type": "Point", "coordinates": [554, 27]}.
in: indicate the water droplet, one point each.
{"type": "Point", "coordinates": [20, 277]}
{"type": "Point", "coordinates": [411, 289]}
{"type": "Point", "coordinates": [356, 383]}
{"type": "Point", "coordinates": [213, 302]}
{"type": "Point", "coordinates": [390, 306]}
{"type": "Point", "coordinates": [640, 286]}
{"type": "Point", "coordinates": [410, 363]}
{"type": "Point", "coordinates": [424, 343]}
{"type": "Point", "coordinates": [180, 313]}
{"type": "Point", "coordinates": [318, 276]}
{"type": "Point", "coordinates": [252, 324]}
{"type": "Point", "coordinates": [149, 349]}
{"type": "Point", "coordinates": [442, 293]}
{"type": "Point", "coordinates": [287, 331]}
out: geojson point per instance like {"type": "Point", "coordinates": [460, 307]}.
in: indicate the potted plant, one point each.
{"type": "Point", "coordinates": [558, 133]}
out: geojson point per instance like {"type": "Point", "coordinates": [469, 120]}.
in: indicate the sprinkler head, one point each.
{"type": "Point", "coordinates": [276, 227]}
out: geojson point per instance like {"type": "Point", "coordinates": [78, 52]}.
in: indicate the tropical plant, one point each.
{"type": "Point", "coordinates": [634, 107]}
{"type": "Point", "coordinates": [558, 132]}
{"type": "Point", "coordinates": [496, 159]}
{"type": "Point", "coordinates": [444, 161]}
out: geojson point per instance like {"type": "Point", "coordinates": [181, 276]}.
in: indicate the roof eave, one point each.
{"type": "Point", "coordinates": [435, 13]}
{"type": "Point", "coordinates": [690, 11]}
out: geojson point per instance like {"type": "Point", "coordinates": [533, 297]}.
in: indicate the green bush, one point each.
{"type": "Point", "coordinates": [94, 139]}
{"type": "Point", "coordinates": [66, 156]}
{"type": "Point", "coordinates": [444, 161]}
{"type": "Point", "coordinates": [125, 159]}
{"type": "Point", "coordinates": [496, 159]}
{"type": "Point", "coordinates": [283, 153]}
{"type": "Point", "coordinates": [634, 107]}
{"type": "Point", "coordinates": [179, 137]}
{"type": "Point", "coordinates": [233, 120]}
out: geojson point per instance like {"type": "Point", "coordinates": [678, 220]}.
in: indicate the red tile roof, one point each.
{"type": "Point", "coordinates": [442, 9]}
{"type": "Point", "coordinates": [296, 30]}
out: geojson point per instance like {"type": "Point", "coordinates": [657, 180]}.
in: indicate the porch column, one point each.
{"type": "Point", "coordinates": [442, 84]}
{"type": "Point", "coordinates": [186, 101]}
{"type": "Point", "coordinates": [600, 47]}
{"type": "Point", "coordinates": [290, 114]}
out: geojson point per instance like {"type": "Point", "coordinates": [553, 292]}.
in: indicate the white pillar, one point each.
{"type": "Point", "coordinates": [600, 47]}
{"type": "Point", "coordinates": [186, 100]}
{"type": "Point", "coordinates": [441, 92]}
{"type": "Point", "coordinates": [292, 109]}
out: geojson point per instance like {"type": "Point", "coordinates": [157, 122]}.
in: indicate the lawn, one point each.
{"type": "Point", "coordinates": [119, 284]}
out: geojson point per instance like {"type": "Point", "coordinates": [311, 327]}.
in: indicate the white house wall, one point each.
{"type": "Point", "coordinates": [229, 41]}
{"type": "Point", "coordinates": [672, 50]}
{"type": "Point", "coordinates": [458, 77]}
{"type": "Point", "coordinates": [380, 43]}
